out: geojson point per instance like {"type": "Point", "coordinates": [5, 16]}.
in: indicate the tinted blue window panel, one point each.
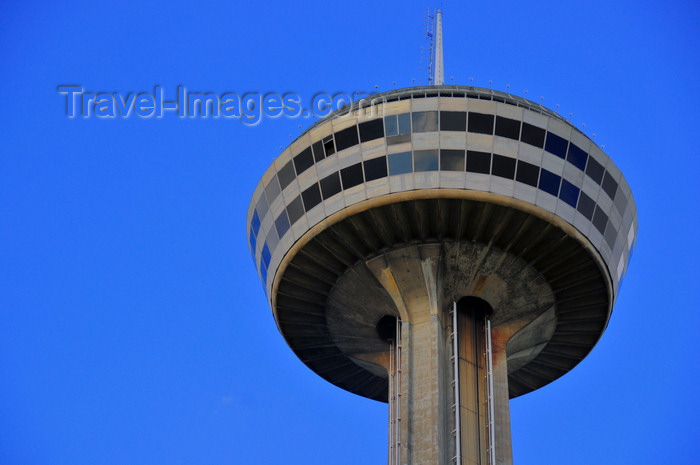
{"type": "Point", "coordinates": [404, 123]}
{"type": "Point", "coordinates": [255, 223]}
{"type": "Point", "coordinates": [577, 157]}
{"type": "Point", "coordinates": [265, 257]}
{"type": "Point", "coordinates": [391, 125]}
{"type": "Point", "coordinates": [400, 163]}
{"type": "Point", "coordinates": [569, 193]}
{"type": "Point", "coordinates": [251, 239]}
{"type": "Point", "coordinates": [549, 182]}
{"type": "Point", "coordinates": [556, 145]}
{"type": "Point", "coordinates": [263, 278]}
{"type": "Point", "coordinates": [282, 224]}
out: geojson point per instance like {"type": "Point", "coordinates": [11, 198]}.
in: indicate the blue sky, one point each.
{"type": "Point", "coordinates": [133, 329]}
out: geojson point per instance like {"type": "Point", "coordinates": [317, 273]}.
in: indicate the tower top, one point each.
{"type": "Point", "coordinates": [438, 77]}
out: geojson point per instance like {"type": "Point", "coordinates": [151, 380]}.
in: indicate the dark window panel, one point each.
{"type": "Point", "coordinates": [425, 121]}
{"type": "Point", "coordinates": [393, 140]}
{"type": "Point", "coordinates": [375, 169]}
{"type": "Point", "coordinates": [586, 206]}
{"type": "Point", "coordinates": [532, 135]}
{"type": "Point", "coordinates": [577, 157]}
{"type": "Point", "coordinates": [480, 123]}
{"type": "Point", "coordinates": [453, 121]}
{"type": "Point", "coordinates": [319, 153]}
{"type": "Point", "coordinates": [610, 235]}
{"type": "Point", "coordinates": [303, 161]}
{"type": "Point", "coordinates": [595, 170]}
{"type": "Point", "coordinates": [503, 166]}
{"type": "Point", "coordinates": [556, 145]}
{"type": "Point", "coordinates": [391, 125]}
{"type": "Point", "coordinates": [404, 123]}
{"type": "Point", "coordinates": [609, 185]}
{"type": "Point", "coordinates": [400, 163]}
{"type": "Point", "coordinates": [528, 173]}
{"type": "Point", "coordinates": [425, 160]}
{"type": "Point", "coordinates": [569, 193]}
{"type": "Point", "coordinates": [346, 138]}
{"type": "Point", "coordinates": [272, 189]}
{"type": "Point", "coordinates": [266, 256]}
{"type": "Point", "coordinates": [452, 160]}
{"type": "Point", "coordinates": [330, 185]}
{"type": "Point", "coordinates": [295, 209]}
{"type": "Point", "coordinates": [286, 175]}
{"type": "Point", "coordinates": [328, 146]}
{"type": "Point", "coordinates": [352, 175]}
{"type": "Point", "coordinates": [262, 206]}
{"type": "Point", "coordinates": [282, 224]}
{"type": "Point", "coordinates": [255, 223]}
{"type": "Point", "coordinates": [506, 127]}
{"type": "Point", "coordinates": [600, 219]}
{"type": "Point", "coordinates": [311, 197]}
{"type": "Point", "coordinates": [549, 182]}
{"type": "Point", "coordinates": [478, 162]}
{"type": "Point", "coordinates": [620, 201]}
{"type": "Point", "coordinates": [371, 130]}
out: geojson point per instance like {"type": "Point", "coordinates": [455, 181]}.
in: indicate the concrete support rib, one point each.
{"type": "Point", "coordinates": [503, 445]}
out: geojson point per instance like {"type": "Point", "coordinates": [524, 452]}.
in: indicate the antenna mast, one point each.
{"type": "Point", "coordinates": [437, 66]}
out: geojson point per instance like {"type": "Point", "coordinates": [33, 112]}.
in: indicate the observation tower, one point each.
{"type": "Point", "coordinates": [444, 249]}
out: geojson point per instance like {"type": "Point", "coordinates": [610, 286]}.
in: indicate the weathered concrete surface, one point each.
{"type": "Point", "coordinates": [419, 284]}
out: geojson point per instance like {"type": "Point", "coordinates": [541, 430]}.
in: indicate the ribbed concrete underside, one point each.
{"type": "Point", "coordinates": [578, 283]}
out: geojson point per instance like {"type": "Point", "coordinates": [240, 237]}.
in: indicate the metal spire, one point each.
{"type": "Point", "coordinates": [438, 76]}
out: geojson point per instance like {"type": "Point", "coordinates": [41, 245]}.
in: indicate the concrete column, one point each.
{"type": "Point", "coordinates": [422, 432]}
{"type": "Point", "coordinates": [501, 400]}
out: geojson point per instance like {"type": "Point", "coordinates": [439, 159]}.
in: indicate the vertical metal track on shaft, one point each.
{"type": "Point", "coordinates": [395, 398]}
{"type": "Point", "coordinates": [489, 397]}
{"type": "Point", "coordinates": [455, 383]}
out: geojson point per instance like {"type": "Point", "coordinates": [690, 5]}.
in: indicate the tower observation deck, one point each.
{"type": "Point", "coordinates": [443, 249]}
